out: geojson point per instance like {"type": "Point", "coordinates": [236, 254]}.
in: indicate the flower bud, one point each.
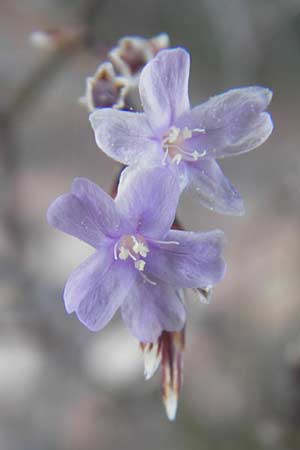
{"type": "Point", "coordinates": [105, 90]}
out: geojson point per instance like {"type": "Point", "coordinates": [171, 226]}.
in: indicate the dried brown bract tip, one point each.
{"type": "Point", "coordinates": [167, 352]}
{"type": "Point", "coordinates": [56, 38]}
{"type": "Point", "coordinates": [172, 369]}
{"type": "Point", "coordinates": [133, 52]}
{"type": "Point", "coordinates": [105, 89]}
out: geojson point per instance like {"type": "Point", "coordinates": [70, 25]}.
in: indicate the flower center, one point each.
{"type": "Point", "coordinates": [173, 144]}
{"type": "Point", "coordinates": [133, 247]}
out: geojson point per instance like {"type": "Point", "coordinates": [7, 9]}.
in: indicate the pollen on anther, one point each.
{"type": "Point", "coordinates": [187, 133]}
{"type": "Point", "coordinates": [139, 248]}
{"type": "Point", "coordinates": [124, 253]}
{"type": "Point", "coordinates": [195, 155]}
{"type": "Point", "coordinates": [139, 265]}
{"type": "Point", "coordinates": [173, 135]}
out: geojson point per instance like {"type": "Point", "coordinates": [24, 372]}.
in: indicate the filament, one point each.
{"type": "Point", "coordinates": [147, 279]}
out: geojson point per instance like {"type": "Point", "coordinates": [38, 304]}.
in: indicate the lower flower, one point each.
{"type": "Point", "coordinates": [140, 265]}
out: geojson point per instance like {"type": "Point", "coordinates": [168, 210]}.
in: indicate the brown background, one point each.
{"type": "Point", "coordinates": [63, 387]}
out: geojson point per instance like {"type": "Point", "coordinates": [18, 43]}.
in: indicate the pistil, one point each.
{"type": "Point", "coordinates": [173, 144]}
{"type": "Point", "coordinates": [134, 248]}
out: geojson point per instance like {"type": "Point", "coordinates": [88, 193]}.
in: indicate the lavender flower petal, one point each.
{"type": "Point", "coordinates": [99, 295]}
{"type": "Point", "coordinates": [213, 189]}
{"type": "Point", "coordinates": [124, 136]}
{"type": "Point", "coordinates": [149, 198]}
{"type": "Point", "coordinates": [234, 122]}
{"type": "Point", "coordinates": [99, 204]}
{"type": "Point", "coordinates": [164, 88]}
{"type": "Point", "coordinates": [195, 261]}
{"type": "Point", "coordinates": [149, 309]}
{"type": "Point", "coordinates": [68, 214]}
{"type": "Point", "coordinates": [84, 278]}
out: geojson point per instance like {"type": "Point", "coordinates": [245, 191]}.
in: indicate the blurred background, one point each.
{"type": "Point", "coordinates": [65, 388]}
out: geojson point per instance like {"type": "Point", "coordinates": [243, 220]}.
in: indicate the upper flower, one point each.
{"type": "Point", "coordinates": [140, 264]}
{"type": "Point", "coordinates": [169, 132]}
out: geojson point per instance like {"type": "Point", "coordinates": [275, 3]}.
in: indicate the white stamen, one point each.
{"type": "Point", "coordinates": [165, 242]}
{"type": "Point", "coordinates": [132, 256]}
{"type": "Point", "coordinates": [174, 139]}
{"type": "Point", "coordinates": [139, 265]}
{"type": "Point", "coordinates": [177, 158]}
{"type": "Point", "coordinates": [148, 279]}
{"type": "Point", "coordinates": [164, 160]}
{"type": "Point", "coordinates": [198, 130]}
{"type": "Point", "coordinates": [195, 155]}
{"type": "Point", "coordinates": [132, 247]}
{"type": "Point", "coordinates": [134, 239]}
{"type": "Point", "coordinates": [189, 154]}
{"type": "Point", "coordinates": [187, 133]}
{"type": "Point", "coordinates": [139, 248]}
{"type": "Point", "coordinates": [173, 135]}
{"type": "Point", "coordinates": [123, 253]}
{"type": "Point", "coordinates": [143, 251]}
{"type": "Point", "coordinates": [115, 250]}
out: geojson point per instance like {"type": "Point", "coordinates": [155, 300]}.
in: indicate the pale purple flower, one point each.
{"type": "Point", "coordinates": [170, 132]}
{"type": "Point", "coordinates": [140, 265]}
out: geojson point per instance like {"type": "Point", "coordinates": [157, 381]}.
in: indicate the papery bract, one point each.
{"type": "Point", "coordinates": [105, 90]}
{"type": "Point", "coordinates": [133, 52]}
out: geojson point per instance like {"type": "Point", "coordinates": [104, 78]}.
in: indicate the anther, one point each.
{"type": "Point", "coordinates": [139, 265]}
{"type": "Point", "coordinates": [173, 134]}
{"type": "Point", "coordinates": [187, 133]}
{"type": "Point", "coordinates": [139, 248]}
{"type": "Point", "coordinates": [195, 155]}
{"type": "Point", "coordinates": [123, 253]}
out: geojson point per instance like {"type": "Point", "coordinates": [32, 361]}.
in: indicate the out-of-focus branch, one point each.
{"type": "Point", "coordinates": [8, 155]}
{"type": "Point", "coordinates": [31, 87]}
{"type": "Point", "coordinates": [26, 94]}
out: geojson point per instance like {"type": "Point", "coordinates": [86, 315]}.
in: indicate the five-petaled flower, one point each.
{"type": "Point", "coordinates": [140, 265]}
{"type": "Point", "coordinates": [170, 132]}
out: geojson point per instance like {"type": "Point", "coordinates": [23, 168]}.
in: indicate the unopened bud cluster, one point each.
{"type": "Point", "coordinates": [115, 81]}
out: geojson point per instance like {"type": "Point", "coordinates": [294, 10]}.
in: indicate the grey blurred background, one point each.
{"type": "Point", "coordinates": [65, 388]}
